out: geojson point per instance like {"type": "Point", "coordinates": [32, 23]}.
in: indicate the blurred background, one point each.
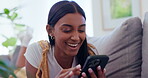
{"type": "Point", "coordinates": [102, 17]}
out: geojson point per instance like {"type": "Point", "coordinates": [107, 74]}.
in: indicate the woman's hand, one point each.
{"type": "Point", "coordinates": [68, 73]}
{"type": "Point", "coordinates": [101, 74]}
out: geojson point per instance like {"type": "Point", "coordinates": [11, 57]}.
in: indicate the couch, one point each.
{"type": "Point", "coordinates": [127, 48]}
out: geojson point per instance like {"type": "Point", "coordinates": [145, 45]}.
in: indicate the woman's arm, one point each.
{"type": "Point", "coordinates": [31, 71]}
{"type": "Point", "coordinates": [25, 38]}
{"type": "Point", "coordinates": [21, 59]}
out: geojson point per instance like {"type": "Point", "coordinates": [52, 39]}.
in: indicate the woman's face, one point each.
{"type": "Point", "coordinates": [69, 34]}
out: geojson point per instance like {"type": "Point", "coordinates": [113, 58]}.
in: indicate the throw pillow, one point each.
{"type": "Point", "coordinates": [123, 46]}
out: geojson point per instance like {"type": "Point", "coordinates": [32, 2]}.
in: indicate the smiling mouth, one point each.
{"type": "Point", "coordinates": [72, 45]}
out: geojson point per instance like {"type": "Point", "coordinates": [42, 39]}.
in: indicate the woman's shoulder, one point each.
{"type": "Point", "coordinates": [34, 45]}
{"type": "Point", "coordinates": [34, 54]}
{"type": "Point", "coordinates": [39, 45]}
{"type": "Point", "coordinates": [33, 50]}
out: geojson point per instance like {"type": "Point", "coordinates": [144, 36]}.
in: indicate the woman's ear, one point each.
{"type": "Point", "coordinates": [49, 29]}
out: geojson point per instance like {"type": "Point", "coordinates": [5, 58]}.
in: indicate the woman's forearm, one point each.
{"type": "Point", "coordinates": [21, 59]}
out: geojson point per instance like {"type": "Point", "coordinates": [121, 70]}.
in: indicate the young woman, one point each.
{"type": "Point", "coordinates": [68, 45]}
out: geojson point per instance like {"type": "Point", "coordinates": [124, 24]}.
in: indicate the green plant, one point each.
{"type": "Point", "coordinates": [6, 71]}
{"type": "Point", "coordinates": [12, 16]}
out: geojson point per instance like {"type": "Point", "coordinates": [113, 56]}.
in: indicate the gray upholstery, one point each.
{"type": "Point", "coordinates": [124, 48]}
{"type": "Point", "coordinates": [144, 73]}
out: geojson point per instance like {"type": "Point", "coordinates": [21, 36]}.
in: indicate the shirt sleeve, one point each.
{"type": "Point", "coordinates": [34, 54]}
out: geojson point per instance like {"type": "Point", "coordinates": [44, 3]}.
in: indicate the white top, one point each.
{"type": "Point", "coordinates": [34, 54]}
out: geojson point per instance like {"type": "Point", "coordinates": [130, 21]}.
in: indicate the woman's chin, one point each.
{"type": "Point", "coordinates": [73, 53]}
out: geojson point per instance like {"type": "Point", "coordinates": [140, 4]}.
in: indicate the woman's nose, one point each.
{"type": "Point", "coordinates": [75, 36]}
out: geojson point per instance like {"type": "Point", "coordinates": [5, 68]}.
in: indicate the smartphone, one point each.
{"type": "Point", "coordinates": [93, 62]}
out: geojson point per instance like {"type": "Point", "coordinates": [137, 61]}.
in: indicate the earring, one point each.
{"type": "Point", "coordinates": [52, 37]}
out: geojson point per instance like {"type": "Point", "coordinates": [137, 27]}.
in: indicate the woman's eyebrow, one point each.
{"type": "Point", "coordinates": [83, 25]}
{"type": "Point", "coordinates": [71, 25]}
{"type": "Point", "coordinates": [67, 25]}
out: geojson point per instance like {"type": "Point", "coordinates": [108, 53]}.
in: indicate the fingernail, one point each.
{"type": "Point", "coordinates": [70, 73]}
{"type": "Point", "coordinates": [80, 69]}
{"type": "Point", "coordinates": [83, 74]}
{"type": "Point", "coordinates": [90, 70]}
{"type": "Point", "coordinates": [99, 68]}
{"type": "Point", "coordinates": [104, 70]}
{"type": "Point", "coordinates": [78, 66]}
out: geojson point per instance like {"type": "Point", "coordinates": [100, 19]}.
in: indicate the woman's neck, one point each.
{"type": "Point", "coordinates": [63, 60]}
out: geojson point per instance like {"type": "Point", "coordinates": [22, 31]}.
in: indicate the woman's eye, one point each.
{"type": "Point", "coordinates": [81, 31]}
{"type": "Point", "coordinates": [66, 31]}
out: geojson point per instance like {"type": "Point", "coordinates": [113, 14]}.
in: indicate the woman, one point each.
{"type": "Point", "coordinates": [68, 45]}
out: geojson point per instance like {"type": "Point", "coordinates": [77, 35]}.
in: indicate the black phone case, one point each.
{"type": "Point", "coordinates": [93, 62]}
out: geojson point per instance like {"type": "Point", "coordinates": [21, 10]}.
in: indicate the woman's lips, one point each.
{"type": "Point", "coordinates": [73, 46]}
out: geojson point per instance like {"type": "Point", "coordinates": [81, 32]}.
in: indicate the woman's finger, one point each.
{"type": "Point", "coordinates": [92, 74]}
{"type": "Point", "coordinates": [101, 74]}
{"type": "Point", "coordinates": [67, 74]}
{"type": "Point", "coordinates": [77, 70]}
{"type": "Point", "coordinates": [70, 74]}
{"type": "Point", "coordinates": [84, 75]}
{"type": "Point", "coordinates": [62, 75]}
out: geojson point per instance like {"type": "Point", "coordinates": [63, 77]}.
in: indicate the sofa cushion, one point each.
{"type": "Point", "coordinates": [123, 46]}
{"type": "Point", "coordinates": [144, 73]}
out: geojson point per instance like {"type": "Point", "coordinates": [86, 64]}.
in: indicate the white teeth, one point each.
{"type": "Point", "coordinates": [73, 45]}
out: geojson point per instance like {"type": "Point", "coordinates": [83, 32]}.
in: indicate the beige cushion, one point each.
{"type": "Point", "coordinates": [123, 46]}
{"type": "Point", "coordinates": [144, 73]}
